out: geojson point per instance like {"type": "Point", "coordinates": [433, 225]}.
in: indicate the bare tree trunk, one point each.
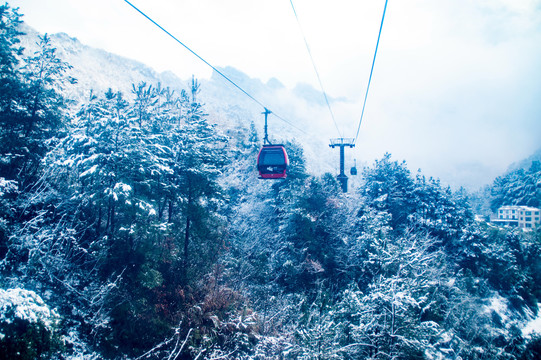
{"type": "Point", "coordinates": [98, 222]}
{"type": "Point", "coordinates": [186, 244]}
{"type": "Point", "coordinates": [187, 232]}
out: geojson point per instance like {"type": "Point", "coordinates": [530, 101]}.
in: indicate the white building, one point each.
{"type": "Point", "coordinates": [523, 216]}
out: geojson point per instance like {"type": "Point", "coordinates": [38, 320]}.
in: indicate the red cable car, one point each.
{"type": "Point", "coordinates": [272, 162]}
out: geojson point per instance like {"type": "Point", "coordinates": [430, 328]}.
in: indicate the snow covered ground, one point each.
{"type": "Point", "coordinates": [534, 326]}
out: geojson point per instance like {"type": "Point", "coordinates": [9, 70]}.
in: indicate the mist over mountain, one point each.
{"type": "Point", "coordinates": [526, 163]}
{"type": "Point", "coordinates": [97, 69]}
{"type": "Point", "coordinates": [307, 118]}
{"type": "Point", "coordinates": [301, 107]}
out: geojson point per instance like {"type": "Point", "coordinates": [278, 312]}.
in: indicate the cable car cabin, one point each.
{"type": "Point", "coordinates": [272, 162]}
{"type": "Point", "coordinates": [353, 170]}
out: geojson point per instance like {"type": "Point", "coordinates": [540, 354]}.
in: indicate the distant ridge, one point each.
{"type": "Point", "coordinates": [98, 70]}
{"type": "Point", "coordinates": [526, 163]}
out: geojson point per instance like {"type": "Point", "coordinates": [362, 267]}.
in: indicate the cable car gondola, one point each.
{"type": "Point", "coordinates": [272, 162]}
{"type": "Point", "coordinates": [353, 170]}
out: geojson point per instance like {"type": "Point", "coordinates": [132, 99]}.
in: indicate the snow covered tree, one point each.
{"type": "Point", "coordinates": [505, 259]}
{"type": "Point", "coordinates": [11, 90]}
{"type": "Point", "coordinates": [519, 187]}
{"type": "Point", "coordinates": [317, 335]}
{"type": "Point", "coordinates": [199, 157]}
{"type": "Point", "coordinates": [313, 230]}
{"type": "Point", "coordinates": [134, 191]}
{"type": "Point", "coordinates": [28, 327]}
{"type": "Point", "coordinates": [368, 226]}
{"type": "Point", "coordinates": [44, 74]}
{"type": "Point", "coordinates": [389, 187]}
{"type": "Point", "coordinates": [406, 276]}
{"type": "Point", "coordinates": [439, 211]}
{"type": "Point", "coordinates": [145, 99]}
{"type": "Point", "coordinates": [418, 203]}
{"type": "Point", "coordinates": [32, 115]}
{"type": "Point", "coordinates": [10, 80]}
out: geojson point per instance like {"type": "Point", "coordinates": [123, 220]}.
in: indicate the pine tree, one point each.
{"type": "Point", "coordinates": [389, 187]}
{"type": "Point", "coordinates": [200, 158]}
{"type": "Point", "coordinates": [315, 233]}
{"type": "Point", "coordinates": [11, 89]}
{"type": "Point", "coordinates": [519, 187]}
{"type": "Point", "coordinates": [32, 112]}
{"type": "Point", "coordinates": [10, 54]}
{"type": "Point", "coordinates": [388, 317]}
{"type": "Point", "coordinates": [135, 193]}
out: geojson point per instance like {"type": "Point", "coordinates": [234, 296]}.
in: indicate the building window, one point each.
{"type": "Point", "coordinates": [528, 213]}
{"type": "Point", "coordinates": [528, 225]}
{"type": "Point", "coordinates": [529, 219]}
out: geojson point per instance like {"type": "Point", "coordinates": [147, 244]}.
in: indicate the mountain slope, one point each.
{"type": "Point", "coordinates": [301, 112]}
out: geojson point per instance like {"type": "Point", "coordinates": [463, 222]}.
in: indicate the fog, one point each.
{"type": "Point", "coordinates": [456, 87]}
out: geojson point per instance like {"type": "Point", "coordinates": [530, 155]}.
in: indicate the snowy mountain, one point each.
{"type": "Point", "coordinates": [526, 163]}
{"type": "Point", "coordinates": [301, 112]}
{"type": "Point", "coordinates": [97, 69]}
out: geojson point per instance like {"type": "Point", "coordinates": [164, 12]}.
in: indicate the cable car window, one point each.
{"type": "Point", "coordinates": [272, 157]}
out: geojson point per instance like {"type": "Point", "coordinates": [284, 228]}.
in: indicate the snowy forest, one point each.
{"type": "Point", "coordinates": [132, 227]}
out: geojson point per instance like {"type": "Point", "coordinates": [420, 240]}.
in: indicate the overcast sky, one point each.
{"type": "Point", "coordinates": [456, 86]}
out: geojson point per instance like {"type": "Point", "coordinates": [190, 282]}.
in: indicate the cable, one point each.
{"type": "Point", "coordinates": [207, 63]}
{"type": "Point", "coordinates": [315, 68]}
{"type": "Point", "coordinates": [371, 71]}
{"type": "Point", "coordinates": [290, 124]}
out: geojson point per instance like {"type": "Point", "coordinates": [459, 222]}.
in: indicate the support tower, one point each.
{"type": "Point", "coordinates": [342, 143]}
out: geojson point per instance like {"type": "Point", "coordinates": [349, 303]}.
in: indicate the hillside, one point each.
{"type": "Point", "coordinates": [227, 106]}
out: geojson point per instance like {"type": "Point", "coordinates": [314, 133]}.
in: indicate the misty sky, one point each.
{"type": "Point", "coordinates": [456, 88]}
